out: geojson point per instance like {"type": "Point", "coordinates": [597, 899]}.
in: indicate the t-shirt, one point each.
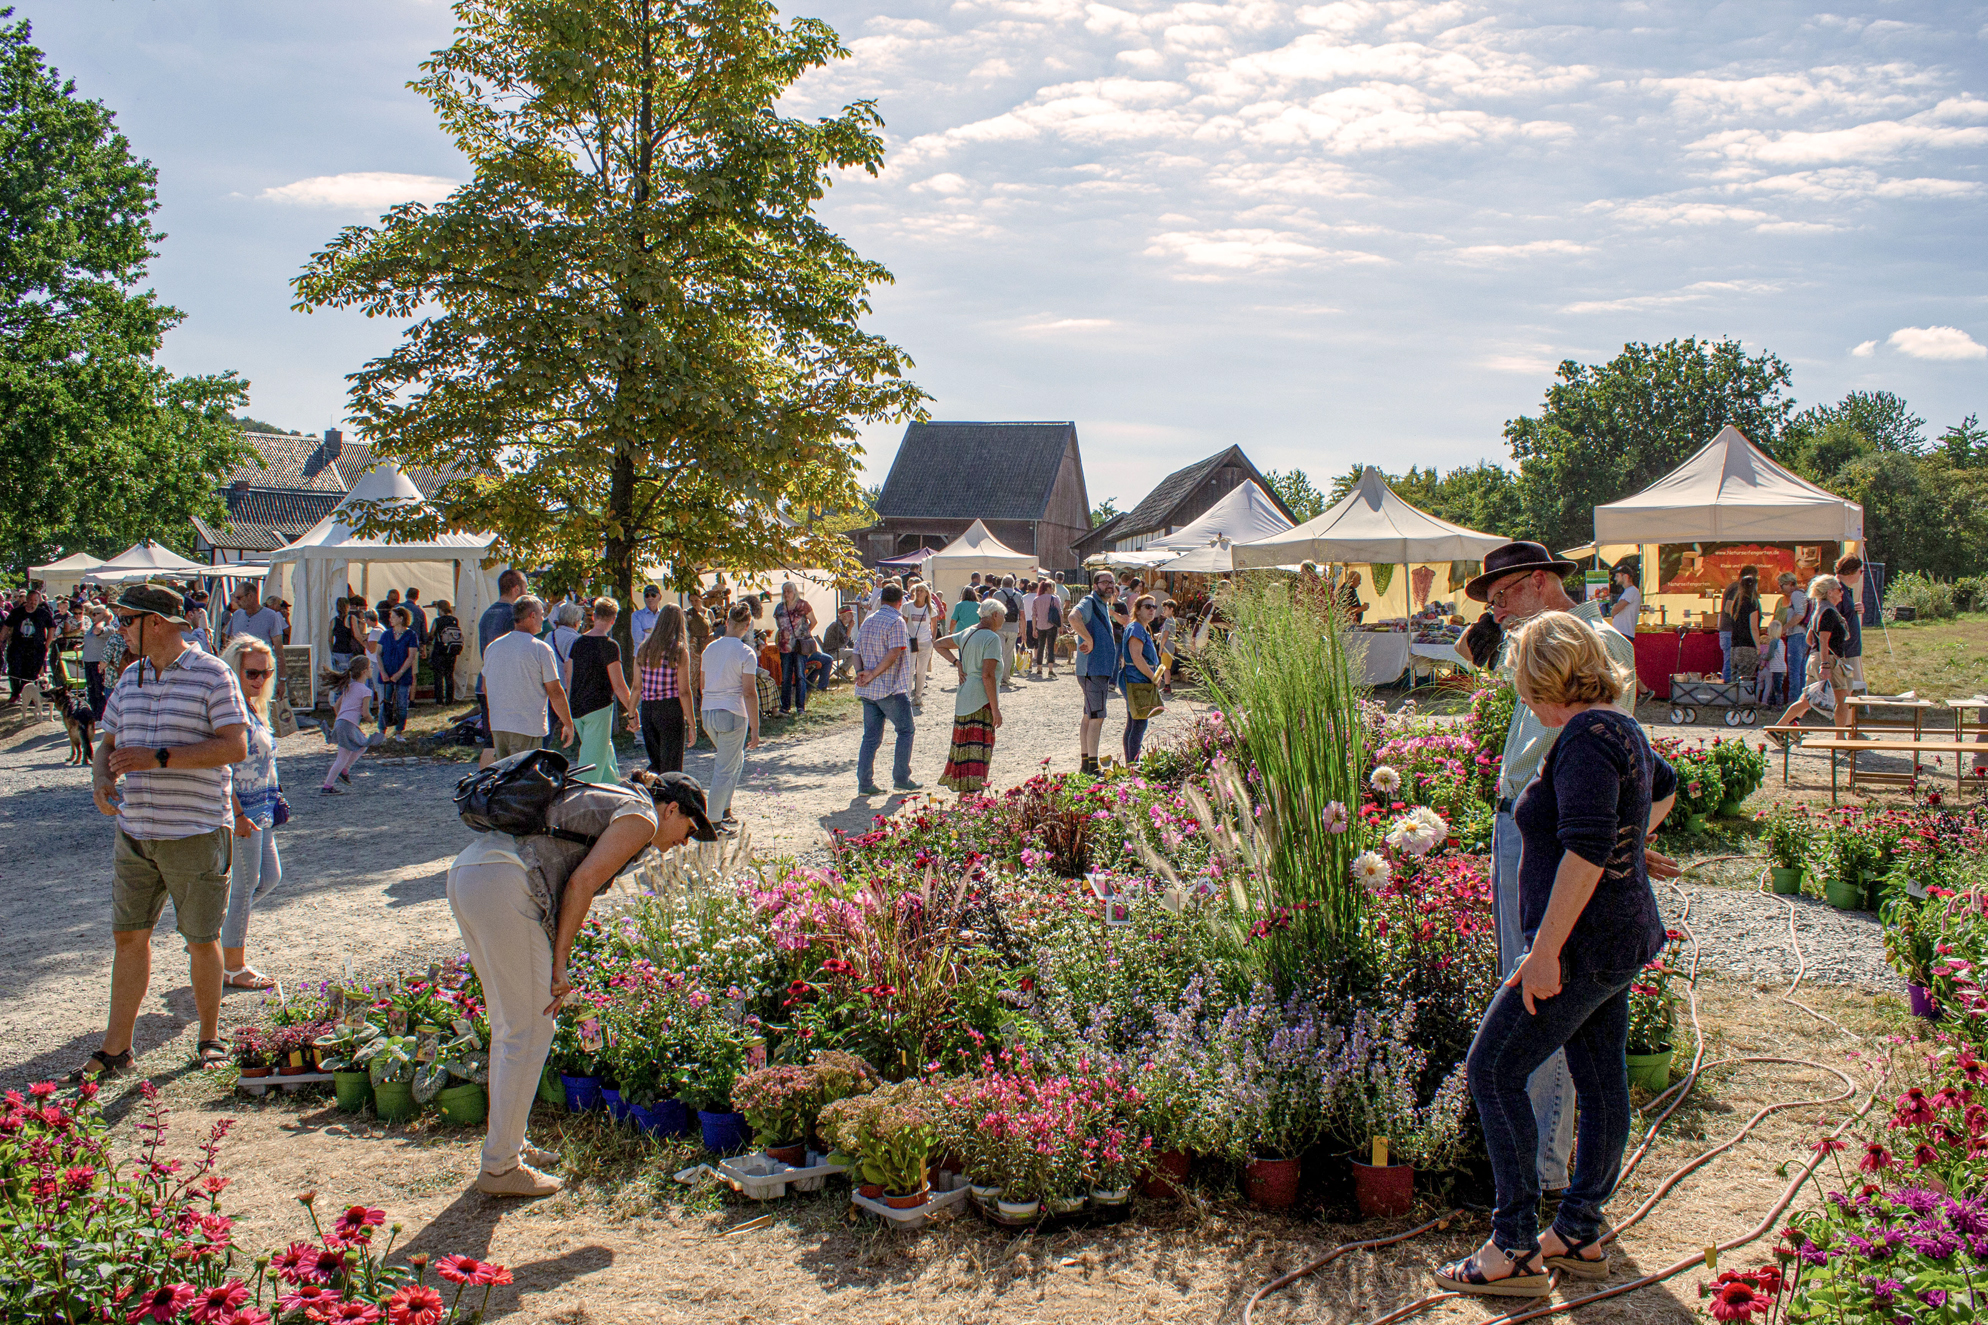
{"type": "Point", "coordinates": [341, 635]}
{"type": "Point", "coordinates": [1831, 627]}
{"type": "Point", "coordinates": [729, 665]}
{"type": "Point", "coordinates": [917, 620]}
{"type": "Point", "coordinates": [1044, 610]}
{"type": "Point", "coordinates": [1139, 643]}
{"type": "Point", "coordinates": [373, 637]}
{"type": "Point", "coordinates": [516, 671]}
{"type": "Point", "coordinates": [1853, 617]}
{"type": "Point", "coordinates": [496, 622]}
{"type": "Point", "coordinates": [187, 702]}
{"type": "Point", "coordinates": [395, 652]}
{"type": "Point", "coordinates": [548, 861]}
{"type": "Point", "coordinates": [1797, 604]}
{"type": "Point", "coordinates": [641, 623]}
{"type": "Point", "coordinates": [266, 625]}
{"type": "Point", "coordinates": [352, 702]}
{"type": "Point", "coordinates": [592, 689]}
{"type": "Point", "coordinates": [966, 615]}
{"type": "Point", "coordinates": [31, 629]}
{"type": "Point", "coordinates": [976, 646]}
{"type": "Point", "coordinates": [1625, 611]}
{"type": "Point", "coordinates": [420, 626]}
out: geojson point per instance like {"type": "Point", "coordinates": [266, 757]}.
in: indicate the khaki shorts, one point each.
{"type": "Point", "coordinates": [193, 871]}
{"type": "Point", "coordinates": [507, 744]}
{"type": "Point", "coordinates": [1855, 669]}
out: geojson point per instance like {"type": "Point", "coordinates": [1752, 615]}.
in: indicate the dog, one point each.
{"type": "Point", "coordinates": [77, 719]}
{"type": "Point", "coordinates": [36, 694]}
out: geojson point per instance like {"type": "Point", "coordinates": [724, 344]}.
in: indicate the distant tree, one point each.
{"type": "Point", "coordinates": [1878, 415]}
{"type": "Point", "coordinates": [99, 445]}
{"type": "Point", "coordinates": [1965, 444]}
{"type": "Point", "coordinates": [631, 315]}
{"type": "Point", "coordinates": [1483, 496]}
{"type": "Point", "coordinates": [246, 424]}
{"type": "Point", "coordinates": [1821, 455]}
{"type": "Point", "coordinates": [1609, 430]}
{"type": "Point", "coordinates": [1103, 511]}
{"type": "Point", "coordinates": [1344, 484]}
{"type": "Point", "coordinates": [1294, 488]}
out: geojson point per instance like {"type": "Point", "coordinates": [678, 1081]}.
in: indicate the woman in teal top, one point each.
{"type": "Point", "coordinates": [1139, 664]}
{"type": "Point", "coordinates": [966, 612]}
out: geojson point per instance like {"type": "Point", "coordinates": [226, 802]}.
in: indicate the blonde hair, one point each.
{"type": "Point", "coordinates": [1558, 659]}
{"type": "Point", "coordinates": [1823, 584]}
{"type": "Point", "coordinates": [232, 655]}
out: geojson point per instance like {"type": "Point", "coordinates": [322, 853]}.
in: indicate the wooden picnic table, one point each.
{"type": "Point", "coordinates": [1854, 746]}
{"type": "Point", "coordinates": [1865, 724]}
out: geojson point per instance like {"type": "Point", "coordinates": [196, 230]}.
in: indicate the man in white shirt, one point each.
{"type": "Point", "coordinates": [251, 617]}
{"type": "Point", "coordinates": [520, 673]}
{"type": "Point", "coordinates": [644, 619]}
{"type": "Point", "coordinates": [1630, 600]}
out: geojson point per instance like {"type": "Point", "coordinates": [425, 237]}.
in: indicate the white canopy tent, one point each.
{"type": "Point", "coordinates": [1217, 558]}
{"type": "Point", "coordinates": [1729, 492]}
{"type": "Point", "coordinates": [62, 576]}
{"type": "Point", "coordinates": [146, 560]}
{"type": "Point", "coordinates": [1370, 525]}
{"type": "Point", "coordinates": [330, 555]}
{"type": "Point", "coordinates": [949, 569]}
{"type": "Point", "coordinates": [1247, 513]}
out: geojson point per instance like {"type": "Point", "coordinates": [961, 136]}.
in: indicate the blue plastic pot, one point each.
{"type": "Point", "coordinates": [724, 1133]}
{"type": "Point", "coordinates": [617, 1108]}
{"type": "Point", "coordinates": [673, 1118]}
{"type": "Point", "coordinates": [583, 1094]}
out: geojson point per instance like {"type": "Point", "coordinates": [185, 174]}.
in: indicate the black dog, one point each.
{"type": "Point", "coordinates": [77, 719]}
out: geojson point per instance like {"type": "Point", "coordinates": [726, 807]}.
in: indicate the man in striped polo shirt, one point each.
{"type": "Point", "coordinates": [173, 725]}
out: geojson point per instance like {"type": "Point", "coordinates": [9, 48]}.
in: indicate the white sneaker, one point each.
{"type": "Point", "coordinates": [523, 1180]}
{"type": "Point", "coordinates": [537, 1156]}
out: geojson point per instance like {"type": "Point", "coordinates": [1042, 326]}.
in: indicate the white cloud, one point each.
{"type": "Point", "coordinates": [1530, 365]}
{"type": "Point", "coordinates": [1696, 292]}
{"type": "Point", "coordinates": [1879, 140]}
{"type": "Point", "coordinates": [1865, 349]}
{"type": "Point", "coordinates": [1944, 343]}
{"type": "Point", "coordinates": [1249, 250]}
{"type": "Point", "coordinates": [1068, 324]}
{"type": "Point", "coordinates": [362, 190]}
{"type": "Point", "coordinates": [1656, 211]}
{"type": "Point", "coordinates": [1486, 253]}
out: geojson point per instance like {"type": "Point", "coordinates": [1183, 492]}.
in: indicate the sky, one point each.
{"type": "Point", "coordinates": [1354, 232]}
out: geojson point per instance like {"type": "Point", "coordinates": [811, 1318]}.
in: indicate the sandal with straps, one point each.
{"type": "Point", "coordinates": [258, 980]}
{"type": "Point", "coordinates": [210, 1053]}
{"type": "Point", "coordinates": [1466, 1276]}
{"type": "Point", "coordinates": [1572, 1262]}
{"type": "Point", "coordinates": [109, 1067]}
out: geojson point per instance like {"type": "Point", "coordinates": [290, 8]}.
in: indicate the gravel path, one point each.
{"type": "Point", "coordinates": [1743, 935]}
{"type": "Point", "coordinates": [364, 874]}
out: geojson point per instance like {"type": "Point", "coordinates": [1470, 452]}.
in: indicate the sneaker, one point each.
{"type": "Point", "coordinates": [331, 791]}
{"type": "Point", "coordinates": [346, 777]}
{"type": "Point", "coordinates": [523, 1180]}
{"type": "Point", "coordinates": [537, 1156]}
{"type": "Point", "coordinates": [870, 791]}
{"type": "Point", "coordinates": [908, 786]}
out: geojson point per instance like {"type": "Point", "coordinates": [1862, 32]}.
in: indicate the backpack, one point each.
{"type": "Point", "coordinates": [513, 795]}
{"type": "Point", "coordinates": [449, 637]}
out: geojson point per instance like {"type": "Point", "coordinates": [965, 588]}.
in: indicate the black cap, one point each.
{"type": "Point", "coordinates": [1513, 557]}
{"type": "Point", "coordinates": [687, 794]}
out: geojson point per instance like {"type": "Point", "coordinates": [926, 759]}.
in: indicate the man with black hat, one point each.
{"type": "Point", "coordinates": [173, 725]}
{"type": "Point", "coordinates": [519, 903]}
{"type": "Point", "coordinates": [1520, 581]}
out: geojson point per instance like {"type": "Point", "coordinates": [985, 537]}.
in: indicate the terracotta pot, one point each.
{"type": "Point", "coordinates": [1169, 1169]}
{"type": "Point", "coordinates": [910, 1201]}
{"type": "Point", "coordinates": [1272, 1183]}
{"type": "Point", "coordinates": [255, 1073]}
{"type": "Point", "coordinates": [870, 1191]}
{"type": "Point", "coordinates": [795, 1153]}
{"type": "Point", "coordinates": [1387, 1192]}
{"type": "Point", "coordinates": [296, 1070]}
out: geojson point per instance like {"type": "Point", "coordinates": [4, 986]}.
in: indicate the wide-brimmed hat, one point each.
{"type": "Point", "coordinates": [687, 794]}
{"type": "Point", "coordinates": [1511, 559]}
{"type": "Point", "coordinates": [156, 599]}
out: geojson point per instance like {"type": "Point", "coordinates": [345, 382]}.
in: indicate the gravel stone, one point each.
{"type": "Point", "coordinates": [1743, 935]}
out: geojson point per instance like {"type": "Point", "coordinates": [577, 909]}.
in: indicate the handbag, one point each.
{"type": "Point", "coordinates": [1141, 699]}
{"type": "Point", "coordinates": [283, 719]}
{"type": "Point", "coordinates": [279, 813]}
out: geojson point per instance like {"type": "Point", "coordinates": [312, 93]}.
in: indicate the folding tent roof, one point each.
{"type": "Point", "coordinates": [1247, 513]}
{"type": "Point", "coordinates": [977, 549]}
{"type": "Point", "coordinates": [1216, 558]}
{"type": "Point", "coordinates": [146, 559]}
{"type": "Point", "coordinates": [65, 573]}
{"type": "Point", "coordinates": [1369, 525]}
{"type": "Point", "coordinates": [1730, 491]}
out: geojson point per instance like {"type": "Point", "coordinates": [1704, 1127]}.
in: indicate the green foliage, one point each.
{"type": "Point", "coordinates": [1965, 444]}
{"type": "Point", "coordinates": [99, 445]}
{"type": "Point", "coordinates": [1878, 416]}
{"type": "Point", "coordinates": [1608, 430]}
{"type": "Point", "coordinates": [1103, 511]}
{"type": "Point", "coordinates": [1294, 488]}
{"type": "Point", "coordinates": [247, 424]}
{"type": "Point", "coordinates": [1928, 597]}
{"type": "Point", "coordinates": [631, 315]}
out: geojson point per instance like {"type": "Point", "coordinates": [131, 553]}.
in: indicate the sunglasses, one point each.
{"type": "Point", "coordinates": [257, 673]}
{"type": "Point", "coordinates": [129, 618]}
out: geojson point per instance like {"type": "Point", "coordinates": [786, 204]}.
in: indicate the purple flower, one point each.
{"type": "Point", "coordinates": [1934, 1297]}
{"type": "Point", "coordinates": [1936, 1243]}
{"type": "Point", "coordinates": [1919, 1200]}
{"type": "Point", "coordinates": [1967, 1216]}
{"type": "Point", "coordinates": [1883, 1290]}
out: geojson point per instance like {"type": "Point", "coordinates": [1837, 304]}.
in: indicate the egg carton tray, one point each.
{"type": "Point", "coordinates": [948, 1191]}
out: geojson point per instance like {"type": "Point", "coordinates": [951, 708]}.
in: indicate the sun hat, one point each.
{"type": "Point", "coordinates": [687, 794]}
{"type": "Point", "coordinates": [1510, 559]}
{"type": "Point", "coordinates": [155, 599]}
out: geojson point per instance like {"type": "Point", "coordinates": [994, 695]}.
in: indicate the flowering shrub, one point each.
{"type": "Point", "coordinates": [1036, 1132]}
{"type": "Point", "coordinates": [1372, 1076]}
{"type": "Point", "coordinates": [887, 1135]}
{"type": "Point", "coordinates": [1652, 1005]}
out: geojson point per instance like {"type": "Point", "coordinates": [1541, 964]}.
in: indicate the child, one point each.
{"type": "Point", "coordinates": [351, 698]}
{"type": "Point", "coordinates": [1774, 667]}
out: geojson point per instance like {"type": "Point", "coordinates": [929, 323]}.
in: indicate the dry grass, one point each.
{"type": "Point", "coordinates": [1939, 659]}
{"type": "Point", "coordinates": [626, 1243]}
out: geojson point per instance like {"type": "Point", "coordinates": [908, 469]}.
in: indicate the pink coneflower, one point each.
{"type": "Point", "coordinates": [1914, 1109]}
{"type": "Point", "coordinates": [163, 1303]}
{"type": "Point", "coordinates": [356, 1223]}
{"type": "Point", "coordinates": [415, 1305]}
{"type": "Point", "coordinates": [305, 1297]}
{"type": "Point", "coordinates": [1738, 1300]}
{"type": "Point", "coordinates": [290, 1262]}
{"type": "Point", "coordinates": [1876, 1159]}
{"type": "Point", "coordinates": [212, 1306]}
{"type": "Point", "coordinates": [469, 1270]}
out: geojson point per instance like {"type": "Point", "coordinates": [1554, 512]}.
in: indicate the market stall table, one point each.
{"type": "Point", "coordinates": [1382, 655]}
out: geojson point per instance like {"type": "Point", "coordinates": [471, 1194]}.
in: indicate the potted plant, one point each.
{"type": "Point", "coordinates": [338, 1053]}
{"type": "Point", "coordinates": [1378, 1068]}
{"type": "Point", "coordinates": [1788, 830]}
{"type": "Point", "coordinates": [1700, 789]}
{"type": "Point", "coordinates": [457, 1080]}
{"type": "Point", "coordinates": [887, 1136]}
{"type": "Point", "coordinates": [253, 1052]}
{"type": "Point", "coordinates": [708, 1084]}
{"type": "Point", "coordinates": [1741, 771]}
{"type": "Point", "coordinates": [780, 1102]}
{"type": "Point", "coordinates": [390, 1064]}
{"type": "Point", "coordinates": [290, 1050]}
{"type": "Point", "coordinates": [1911, 943]}
{"type": "Point", "coordinates": [1836, 855]}
{"type": "Point", "coordinates": [576, 1046]}
{"type": "Point", "coordinates": [1653, 1021]}
{"type": "Point", "coordinates": [1265, 1072]}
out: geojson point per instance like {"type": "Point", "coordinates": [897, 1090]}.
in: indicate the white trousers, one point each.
{"type": "Point", "coordinates": [921, 666]}
{"type": "Point", "coordinates": [513, 957]}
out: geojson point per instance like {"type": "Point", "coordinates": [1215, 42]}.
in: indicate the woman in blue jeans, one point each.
{"type": "Point", "coordinates": [1586, 906]}
{"type": "Point", "coordinates": [400, 650]}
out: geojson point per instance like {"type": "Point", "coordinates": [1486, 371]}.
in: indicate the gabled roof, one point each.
{"type": "Point", "coordinates": [1730, 489]}
{"type": "Point", "coordinates": [1372, 523]}
{"type": "Point", "coordinates": [310, 464]}
{"type": "Point", "coordinates": [264, 519]}
{"type": "Point", "coordinates": [1155, 510]}
{"type": "Point", "coordinates": [975, 471]}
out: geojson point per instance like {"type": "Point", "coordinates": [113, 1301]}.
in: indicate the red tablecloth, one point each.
{"type": "Point", "coordinates": [1659, 653]}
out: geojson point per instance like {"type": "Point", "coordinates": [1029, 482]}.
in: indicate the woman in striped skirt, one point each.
{"type": "Point", "coordinates": [977, 704]}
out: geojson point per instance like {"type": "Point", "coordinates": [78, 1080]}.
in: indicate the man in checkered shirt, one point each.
{"type": "Point", "coordinates": [883, 683]}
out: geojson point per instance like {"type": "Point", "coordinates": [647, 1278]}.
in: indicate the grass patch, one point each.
{"type": "Point", "coordinates": [1939, 659]}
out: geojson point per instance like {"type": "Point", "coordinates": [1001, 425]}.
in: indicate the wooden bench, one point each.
{"type": "Point", "coordinates": [1836, 745]}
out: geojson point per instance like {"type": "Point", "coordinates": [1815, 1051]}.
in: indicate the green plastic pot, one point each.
{"type": "Point", "coordinates": [394, 1101]}
{"type": "Point", "coordinates": [1650, 1071]}
{"type": "Point", "coordinates": [464, 1105]}
{"type": "Point", "coordinates": [354, 1090]}
{"type": "Point", "coordinates": [1786, 881]}
{"type": "Point", "coordinates": [550, 1089]}
{"type": "Point", "coordinates": [1730, 808]}
{"type": "Point", "coordinates": [1844, 894]}
{"type": "Point", "coordinates": [1694, 823]}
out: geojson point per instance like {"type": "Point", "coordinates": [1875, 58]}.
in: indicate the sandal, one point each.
{"type": "Point", "coordinates": [210, 1053]}
{"type": "Point", "coordinates": [1465, 1276]}
{"type": "Point", "coordinates": [257, 979]}
{"type": "Point", "coordinates": [109, 1067]}
{"type": "Point", "coordinates": [1572, 1262]}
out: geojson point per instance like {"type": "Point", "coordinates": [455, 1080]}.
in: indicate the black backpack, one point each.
{"type": "Point", "coordinates": [513, 795]}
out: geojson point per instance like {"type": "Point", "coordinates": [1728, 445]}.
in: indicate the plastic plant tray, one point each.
{"type": "Point", "coordinates": [259, 1086]}
{"type": "Point", "coordinates": [762, 1177]}
{"type": "Point", "coordinates": [948, 1190]}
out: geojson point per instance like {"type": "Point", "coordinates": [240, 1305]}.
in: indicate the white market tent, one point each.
{"type": "Point", "coordinates": [1216, 558]}
{"type": "Point", "coordinates": [62, 576]}
{"type": "Point", "coordinates": [1370, 525]}
{"type": "Point", "coordinates": [330, 555]}
{"type": "Point", "coordinates": [949, 569]}
{"type": "Point", "coordinates": [146, 560]}
{"type": "Point", "coordinates": [1245, 514]}
{"type": "Point", "coordinates": [1729, 492]}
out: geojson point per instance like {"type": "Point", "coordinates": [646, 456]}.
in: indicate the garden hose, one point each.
{"type": "Point", "coordinates": [1675, 1096]}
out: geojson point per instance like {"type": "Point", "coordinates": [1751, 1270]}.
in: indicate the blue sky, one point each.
{"type": "Point", "coordinates": [1362, 231]}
